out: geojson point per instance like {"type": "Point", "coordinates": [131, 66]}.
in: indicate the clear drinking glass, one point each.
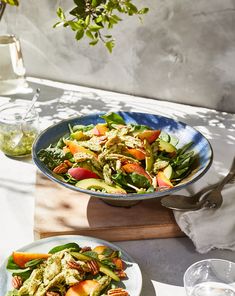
{"type": "Point", "coordinates": [12, 70]}
{"type": "Point", "coordinates": [210, 277]}
{"type": "Point", "coordinates": [17, 133]}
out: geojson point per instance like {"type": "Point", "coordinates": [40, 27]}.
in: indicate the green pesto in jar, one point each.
{"type": "Point", "coordinates": [16, 143]}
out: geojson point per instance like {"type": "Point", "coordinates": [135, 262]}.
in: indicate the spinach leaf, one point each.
{"type": "Point", "coordinates": [91, 254]}
{"type": "Point", "coordinates": [113, 118]}
{"type": "Point", "coordinates": [11, 265]}
{"type": "Point", "coordinates": [183, 149]}
{"type": "Point", "coordinates": [83, 128]}
{"type": "Point", "coordinates": [120, 179]}
{"type": "Point", "coordinates": [65, 178]}
{"type": "Point", "coordinates": [139, 181]}
{"type": "Point", "coordinates": [109, 263]}
{"type": "Point", "coordinates": [139, 127]}
{"type": "Point", "coordinates": [24, 275]}
{"type": "Point", "coordinates": [107, 252]}
{"type": "Point", "coordinates": [60, 144]}
{"type": "Point", "coordinates": [134, 179]}
{"type": "Point", "coordinates": [52, 157]}
{"type": "Point", "coordinates": [71, 246]}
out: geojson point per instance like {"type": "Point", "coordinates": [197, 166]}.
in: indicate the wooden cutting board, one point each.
{"type": "Point", "coordinates": [60, 211]}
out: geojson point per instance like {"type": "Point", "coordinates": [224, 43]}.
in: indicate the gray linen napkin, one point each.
{"type": "Point", "coordinates": [211, 228]}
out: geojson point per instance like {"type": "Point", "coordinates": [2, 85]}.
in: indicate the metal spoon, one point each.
{"type": "Point", "coordinates": [213, 198]}
{"type": "Point", "coordinates": [34, 99]}
{"type": "Point", "coordinates": [184, 202]}
{"type": "Point", "coordinates": [18, 138]}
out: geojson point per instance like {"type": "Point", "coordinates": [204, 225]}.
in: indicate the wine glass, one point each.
{"type": "Point", "coordinates": [210, 277]}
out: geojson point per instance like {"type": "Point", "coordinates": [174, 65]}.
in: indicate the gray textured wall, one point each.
{"type": "Point", "coordinates": [183, 52]}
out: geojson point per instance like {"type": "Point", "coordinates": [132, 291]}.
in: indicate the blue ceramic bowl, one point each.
{"type": "Point", "coordinates": [182, 131]}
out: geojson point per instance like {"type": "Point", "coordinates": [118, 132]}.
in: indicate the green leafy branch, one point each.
{"type": "Point", "coordinates": [94, 18]}
{"type": "Point", "coordinates": [11, 2]}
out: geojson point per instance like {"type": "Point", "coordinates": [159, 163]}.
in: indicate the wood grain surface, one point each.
{"type": "Point", "coordinates": [60, 211]}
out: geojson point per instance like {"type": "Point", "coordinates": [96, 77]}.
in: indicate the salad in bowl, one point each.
{"type": "Point", "coordinates": [122, 155]}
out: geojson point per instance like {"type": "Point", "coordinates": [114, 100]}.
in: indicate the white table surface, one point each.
{"type": "Point", "coordinates": [162, 261]}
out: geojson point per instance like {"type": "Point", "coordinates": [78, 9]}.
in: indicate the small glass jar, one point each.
{"type": "Point", "coordinates": [17, 132]}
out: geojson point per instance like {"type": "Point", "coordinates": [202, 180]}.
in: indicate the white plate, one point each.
{"type": "Point", "coordinates": [133, 283]}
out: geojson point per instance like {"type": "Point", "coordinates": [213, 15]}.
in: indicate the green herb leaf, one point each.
{"type": "Point", "coordinates": [184, 148]}
{"type": "Point", "coordinates": [139, 181]}
{"type": "Point", "coordinates": [60, 13]}
{"type": "Point", "coordinates": [11, 2]}
{"type": "Point", "coordinates": [95, 28]}
{"type": "Point", "coordinates": [11, 265]}
{"type": "Point", "coordinates": [89, 34]}
{"type": "Point", "coordinates": [51, 157]}
{"type": "Point", "coordinates": [83, 128]}
{"type": "Point", "coordinates": [96, 15]}
{"type": "Point", "coordinates": [94, 42]}
{"type": "Point", "coordinates": [120, 179]}
{"type": "Point", "coordinates": [91, 254]}
{"type": "Point", "coordinates": [24, 274]}
{"type": "Point", "coordinates": [87, 20]}
{"type": "Point", "coordinates": [71, 246]}
{"type": "Point", "coordinates": [143, 10]}
{"type": "Point", "coordinates": [109, 263]}
{"type": "Point", "coordinates": [113, 118]}
{"type": "Point", "coordinates": [107, 252]}
{"type": "Point", "coordinates": [80, 33]}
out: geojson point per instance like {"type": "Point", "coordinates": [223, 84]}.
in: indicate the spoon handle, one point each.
{"type": "Point", "coordinates": [217, 186]}
{"type": "Point", "coordinates": [228, 177]}
{"type": "Point", "coordinates": [35, 97]}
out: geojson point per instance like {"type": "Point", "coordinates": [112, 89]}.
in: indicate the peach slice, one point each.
{"type": "Point", "coordinates": [163, 181]}
{"type": "Point", "coordinates": [74, 148]}
{"type": "Point", "coordinates": [99, 249]}
{"type": "Point", "coordinates": [119, 263]}
{"type": "Point", "coordinates": [100, 129]}
{"type": "Point", "coordinates": [136, 168]}
{"type": "Point", "coordinates": [149, 135]}
{"type": "Point", "coordinates": [21, 258]}
{"type": "Point", "coordinates": [83, 288]}
{"type": "Point", "coordinates": [82, 173]}
{"type": "Point", "coordinates": [138, 154]}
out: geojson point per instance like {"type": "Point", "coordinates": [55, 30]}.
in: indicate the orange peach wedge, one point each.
{"type": "Point", "coordinates": [119, 263]}
{"type": "Point", "coordinates": [100, 129]}
{"type": "Point", "coordinates": [136, 168]}
{"type": "Point", "coordinates": [83, 288]}
{"type": "Point", "coordinates": [163, 181]}
{"type": "Point", "coordinates": [74, 148]}
{"type": "Point", "coordinates": [20, 258]}
{"type": "Point", "coordinates": [138, 154]}
{"type": "Point", "coordinates": [99, 249]}
{"type": "Point", "coordinates": [149, 135]}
